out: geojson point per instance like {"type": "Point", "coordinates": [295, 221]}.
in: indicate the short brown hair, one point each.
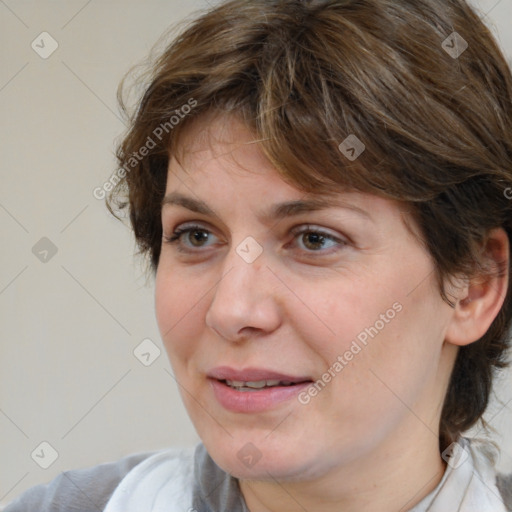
{"type": "Point", "coordinates": [304, 75]}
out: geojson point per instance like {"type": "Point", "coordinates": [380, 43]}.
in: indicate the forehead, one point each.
{"type": "Point", "coordinates": [219, 151]}
{"type": "Point", "coordinates": [216, 142]}
{"type": "Point", "coordinates": [215, 135]}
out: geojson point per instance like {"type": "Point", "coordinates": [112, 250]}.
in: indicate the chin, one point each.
{"type": "Point", "coordinates": [269, 461]}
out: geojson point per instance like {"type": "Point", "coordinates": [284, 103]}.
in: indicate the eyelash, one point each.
{"type": "Point", "coordinates": [177, 234]}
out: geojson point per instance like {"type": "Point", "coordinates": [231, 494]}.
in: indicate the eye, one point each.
{"type": "Point", "coordinates": [311, 239]}
{"type": "Point", "coordinates": [192, 237]}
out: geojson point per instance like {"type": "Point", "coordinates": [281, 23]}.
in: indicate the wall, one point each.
{"type": "Point", "coordinates": [74, 303]}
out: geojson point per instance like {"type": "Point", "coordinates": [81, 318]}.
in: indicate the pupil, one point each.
{"type": "Point", "coordinates": [198, 237]}
{"type": "Point", "coordinates": [313, 240]}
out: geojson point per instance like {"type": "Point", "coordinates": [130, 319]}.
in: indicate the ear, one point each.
{"type": "Point", "coordinates": [479, 300]}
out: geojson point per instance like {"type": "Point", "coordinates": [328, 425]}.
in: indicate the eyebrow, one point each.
{"type": "Point", "coordinates": [277, 212]}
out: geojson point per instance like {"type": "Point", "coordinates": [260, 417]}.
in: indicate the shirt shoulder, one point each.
{"type": "Point", "coordinates": [81, 490]}
{"type": "Point", "coordinates": [504, 483]}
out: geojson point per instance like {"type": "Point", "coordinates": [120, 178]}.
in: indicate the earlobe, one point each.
{"type": "Point", "coordinates": [479, 301]}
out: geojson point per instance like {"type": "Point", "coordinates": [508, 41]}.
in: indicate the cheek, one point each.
{"type": "Point", "coordinates": [177, 306]}
{"type": "Point", "coordinates": [378, 328]}
{"type": "Point", "coordinates": [396, 362]}
{"type": "Point", "coordinates": [333, 315]}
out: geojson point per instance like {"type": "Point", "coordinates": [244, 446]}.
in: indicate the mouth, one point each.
{"type": "Point", "coordinates": [258, 385]}
{"type": "Point", "coordinates": [253, 389]}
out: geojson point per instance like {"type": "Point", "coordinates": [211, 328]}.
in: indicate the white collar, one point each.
{"type": "Point", "coordinates": [469, 482]}
{"type": "Point", "coordinates": [165, 482]}
{"type": "Point", "coordinates": [161, 483]}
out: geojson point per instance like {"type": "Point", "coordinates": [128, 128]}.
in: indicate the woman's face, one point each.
{"type": "Point", "coordinates": [305, 332]}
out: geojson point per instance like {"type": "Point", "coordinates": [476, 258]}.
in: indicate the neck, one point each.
{"type": "Point", "coordinates": [390, 478]}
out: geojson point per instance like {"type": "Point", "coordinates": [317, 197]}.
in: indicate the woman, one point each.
{"type": "Point", "coordinates": [321, 188]}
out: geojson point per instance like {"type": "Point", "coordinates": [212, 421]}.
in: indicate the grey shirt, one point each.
{"type": "Point", "coordinates": [82, 490]}
{"type": "Point", "coordinates": [89, 490]}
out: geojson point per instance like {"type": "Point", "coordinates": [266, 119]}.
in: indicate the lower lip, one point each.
{"type": "Point", "coordinates": [254, 401]}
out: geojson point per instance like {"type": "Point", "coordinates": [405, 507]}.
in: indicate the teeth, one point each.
{"type": "Point", "coordinates": [259, 384]}
{"type": "Point", "coordinates": [268, 383]}
{"type": "Point", "coordinates": [256, 384]}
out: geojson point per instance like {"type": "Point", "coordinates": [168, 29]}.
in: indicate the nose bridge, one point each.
{"type": "Point", "coordinates": [242, 279]}
{"type": "Point", "coordinates": [243, 297]}
{"type": "Point", "coordinates": [245, 267]}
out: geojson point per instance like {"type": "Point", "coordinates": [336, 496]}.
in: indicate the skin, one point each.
{"type": "Point", "coordinates": [367, 441]}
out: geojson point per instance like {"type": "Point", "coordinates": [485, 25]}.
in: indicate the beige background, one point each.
{"type": "Point", "coordinates": [68, 327]}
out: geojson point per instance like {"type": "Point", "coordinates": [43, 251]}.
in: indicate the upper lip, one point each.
{"type": "Point", "coordinates": [253, 375]}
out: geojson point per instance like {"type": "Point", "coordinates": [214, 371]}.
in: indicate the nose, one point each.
{"type": "Point", "coordinates": [245, 302]}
